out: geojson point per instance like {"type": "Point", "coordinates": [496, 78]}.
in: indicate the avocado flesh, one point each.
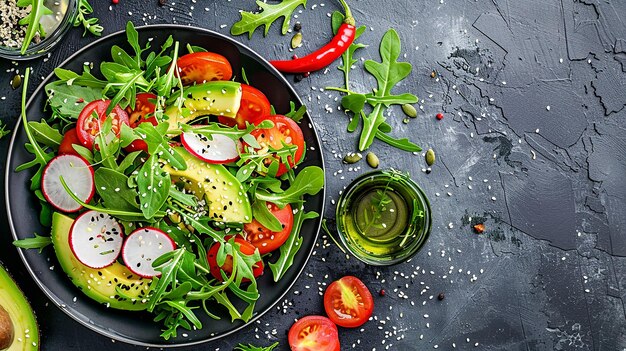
{"type": "Point", "coordinates": [219, 98]}
{"type": "Point", "coordinates": [226, 199]}
{"type": "Point", "coordinates": [25, 329]}
{"type": "Point", "coordinates": [99, 284]}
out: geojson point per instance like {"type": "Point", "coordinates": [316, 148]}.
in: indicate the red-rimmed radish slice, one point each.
{"type": "Point", "coordinates": [96, 239]}
{"type": "Point", "coordinates": [218, 149]}
{"type": "Point", "coordinates": [142, 247]}
{"type": "Point", "coordinates": [78, 176]}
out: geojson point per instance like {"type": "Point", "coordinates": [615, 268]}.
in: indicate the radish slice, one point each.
{"type": "Point", "coordinates": [142, 247]}
{"type": "Point", "coordinates": [96, 239]}
{"type": "Point", "coordinates": [78, 176]}
{"type": "Point", "coordinates": [219, 149]}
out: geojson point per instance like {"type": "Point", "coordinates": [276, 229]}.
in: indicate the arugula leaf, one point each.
{"type": "Point", "coordinates": [3, 130]}
{"type": "Point", "coordinates": [112, 186]}
{"type": "Point", "coordinates": [250, 347]}
{"type": "Point", "coordinates": [33, 20]}
{"type": "Point", "coordinates": [388, 73]}
{"type": "Point", "coordinates": [45, 134]}
{"type": "Point", "coordinates": [154, 186]}
{"type": "Point", "coordinates": [309, 181]}
{"type": "Point", "coordinates": [69, 99]}
{"type": "Point", "coordinates": [337, 19]}
{"type": "Point", "coordinates": [402, 144]}
{"type": "Point", "coordinates": [291, 247]}
{"type": "Point", "coordinates": [37, 242]}
{"type": "Point", "coordinates": [90, 24]}
{"type": "Point", "coordinates": [294, 114]}
{"type": "Point", "coordinates": [262, 214]}
{"type": "Point", "coordinates": [270, 13]}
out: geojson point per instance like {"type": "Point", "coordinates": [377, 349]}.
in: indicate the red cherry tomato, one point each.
{"type": "Point", "coordinates": [314, 333]}
{"type": "Point", "coordinates": [348, 302]}
{"type": "Point", "coordinates": [143, 113]}
{"type": "Point", "coordinates": [200, 67]}
{"type": "Point", "coordinates": [254, 105]}
{"type": "Point", "coordinates": [92, 117]}
{"type": "Point", "coordinates": [245, 247]}
{"type": "Point", "coordinates": [69, 138]}
{"type": "Point", "coordinates": [266, 240]}
{"type": "Point", "coordinates": [285, 131]}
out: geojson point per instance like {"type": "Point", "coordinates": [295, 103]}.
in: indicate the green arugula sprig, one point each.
{"type": "Point", "coordinates": [269, 14]}
{"type": "Point", "coordinates": [250, 347]}
{"type": "Point", "coordinates": [90, 24]}
{"type": "Point", "coordinates": [3, 130]}
{"type": "Point", "coordinates": [32, 20]}
{"type": "Point", "coordinates": [37, 242]}
{"type": "Point", "coordinates": [348, 59]}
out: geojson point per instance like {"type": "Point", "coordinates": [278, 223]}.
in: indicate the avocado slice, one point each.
{"type": "Point", "coordinates": [18, 326]}
{"type": "Point", "coordinates": [220, 98]}
{"type": "Point", "coordinates": [224, 194]}
{"type": "Point", "coordinates": [99, 284]}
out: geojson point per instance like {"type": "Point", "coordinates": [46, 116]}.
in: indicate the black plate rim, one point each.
{"type": "Point", "coordinates": [58, 302]}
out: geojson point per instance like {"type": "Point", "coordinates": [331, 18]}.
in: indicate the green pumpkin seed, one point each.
{"type": "Point", "coordinates": [16, 81]}
{"type": "Point", "coordinates": [352, 158]}
{"type": "Point", "coordinates": [296, 41]}
{"type": "Point", "coordinates": [430, 157]}
{"type": "Point", "coordinates": [372, 160]}
{"type": "Point", "coordinates": [409, 110]}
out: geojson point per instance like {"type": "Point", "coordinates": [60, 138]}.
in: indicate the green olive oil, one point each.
{"type": "Point", "coordinates": [383, 217]}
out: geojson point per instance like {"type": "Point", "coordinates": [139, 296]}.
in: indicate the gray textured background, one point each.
{"type": "Point", "coordinates": [550, 185]}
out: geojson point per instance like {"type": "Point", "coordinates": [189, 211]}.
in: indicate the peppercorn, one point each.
{"type": "Point", "coordinates": [297, 27]}
{"type": "Point", "coordinates": [162, 2]}
{"type": "Point", "coordinates": [439, 116]}
{"type": "Point", "coordinates": [479, 228]}
{"type": "Point", "coordinates": [381, 292]}
{"type": "Point", "coordinates": [294, 57]}
{"type": "Point", "coordinates": [306, 74]}
{"type": "Point", "coordinates": [298, 78]}
{"type": "Point", "coordinates": [441, 296]}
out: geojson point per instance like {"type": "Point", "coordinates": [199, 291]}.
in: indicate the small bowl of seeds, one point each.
{"type": "Point", "coordinates": [30, 28]}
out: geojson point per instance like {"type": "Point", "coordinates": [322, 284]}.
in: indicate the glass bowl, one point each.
{"type": "Point", "coordinates": [383, 217]}
{"type": "Point", "coordinates": [55, 25]}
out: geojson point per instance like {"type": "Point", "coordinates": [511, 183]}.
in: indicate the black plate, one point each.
{"type": "Point", "coordinates": [23, 209]}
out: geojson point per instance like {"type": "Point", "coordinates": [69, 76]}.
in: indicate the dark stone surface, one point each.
{"type": "Point", "coordinates": [550, 185]}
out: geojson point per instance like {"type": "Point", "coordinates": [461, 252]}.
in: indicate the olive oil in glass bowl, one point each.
{"type": "Point", "coordinates": [383, 217]}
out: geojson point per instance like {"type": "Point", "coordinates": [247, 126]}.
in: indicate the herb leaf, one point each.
{"type": "Point", "coordinates": [37, 242]}
{"type": "Point", "coordinates": [388, 73]}
{"type": "Point", "coordinates": [154, 186]}
{"type": "Point", "coordinates": [90, 24]}
{"type": "Point", "coordinates": [270, 13]}
{"type": "Point", "coordinates": [112, 186]}
{"type": "Point", "coordinates": [265, 217]}
{"type": "Point", "coordinates": [33, 19]}
{"type": "Point", "coordinates": [250, 347]}
{"type": "Point", "coordinates": [348, 55]}
{"type": "Point", "coordinates": [309, 181]}
{"type": "Point", "coordinates": [291, 247]}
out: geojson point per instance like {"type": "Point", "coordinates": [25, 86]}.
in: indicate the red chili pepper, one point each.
{"type": "Point", "coordinates": [325, 55]}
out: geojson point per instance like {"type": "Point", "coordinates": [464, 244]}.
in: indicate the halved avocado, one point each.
{"type": "Point", "coordinates": [18, 326]}
{"type": "Point", "coordinates": [219, 98]}
{"type": "Point", "coordinates": [99, 284]}
{"type": "Point", "coordinates": [224, 194]}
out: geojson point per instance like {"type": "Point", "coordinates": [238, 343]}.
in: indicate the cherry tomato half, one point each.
{"type": "Point", "coordinates": [348, 302]}
{"type": "Point", "coordinates": [200, 67]}
{"type": "Point", "coordinates": [92, 117]}
{"type": "Point", "coordinates": [245, 247]}
{"type": "Point", "coordinates": [254, 105]}
{"type": "Point", "coordinates": [314, 333]}
{"type": "Point", "coordinates": [266, 240]}
{"type": "Point", "coordinates": [285, 131]}
{"type": "Point", "coordinates": [143, 113]}
{"type": "Point", "coordinates": [69, 138]}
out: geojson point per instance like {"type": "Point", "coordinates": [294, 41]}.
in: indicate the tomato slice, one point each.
{"type": "Point", "coordinates": [314, 333]}
{"type": "Point", "coordinates": [348, 302]}
{"type": "Point", "coordinates": [92, 117]}
{"type": "Point", "coordinates": [245, 247]}
{"type": "Point", "coordinates": [266, 240]}
{"type": "Point", "coordinates": [200, 67]}
{"type": "Point", "coordinates": [254, 105]}
{"type": "Point", "coordinates": [69, 138]}
{"type": "Point", "coordinates": [143, 113]}
{"type": "Point", "coordinates": [285, 131]}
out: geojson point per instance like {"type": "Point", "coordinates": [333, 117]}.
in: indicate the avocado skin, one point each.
{"type": "Point", "coordinates": [226, 199]}
{"type": "Point", "coordinates": [24, 335]}
{"type": "Point", "coordinates": [219, 98]}
{"type": "Point", "coordinates": [98, 284]}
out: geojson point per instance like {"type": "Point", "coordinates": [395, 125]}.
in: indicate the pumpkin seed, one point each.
{"type": "Point", "coordinates": [372, 160]}
{"type": "Point", "coordinates": [352, 158]}
{"type": "Point", "coordinates": [409, 110]}
{"type": "Point", "coordinates": [16, 81]}
{"type": "Point", "coordinates": [430, 157]}
{"type": "Point", "coordinates": [296, 41]}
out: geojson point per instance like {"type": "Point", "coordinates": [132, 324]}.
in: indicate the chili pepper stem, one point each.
{"type": "Point", "coordinates": [348, 19]}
